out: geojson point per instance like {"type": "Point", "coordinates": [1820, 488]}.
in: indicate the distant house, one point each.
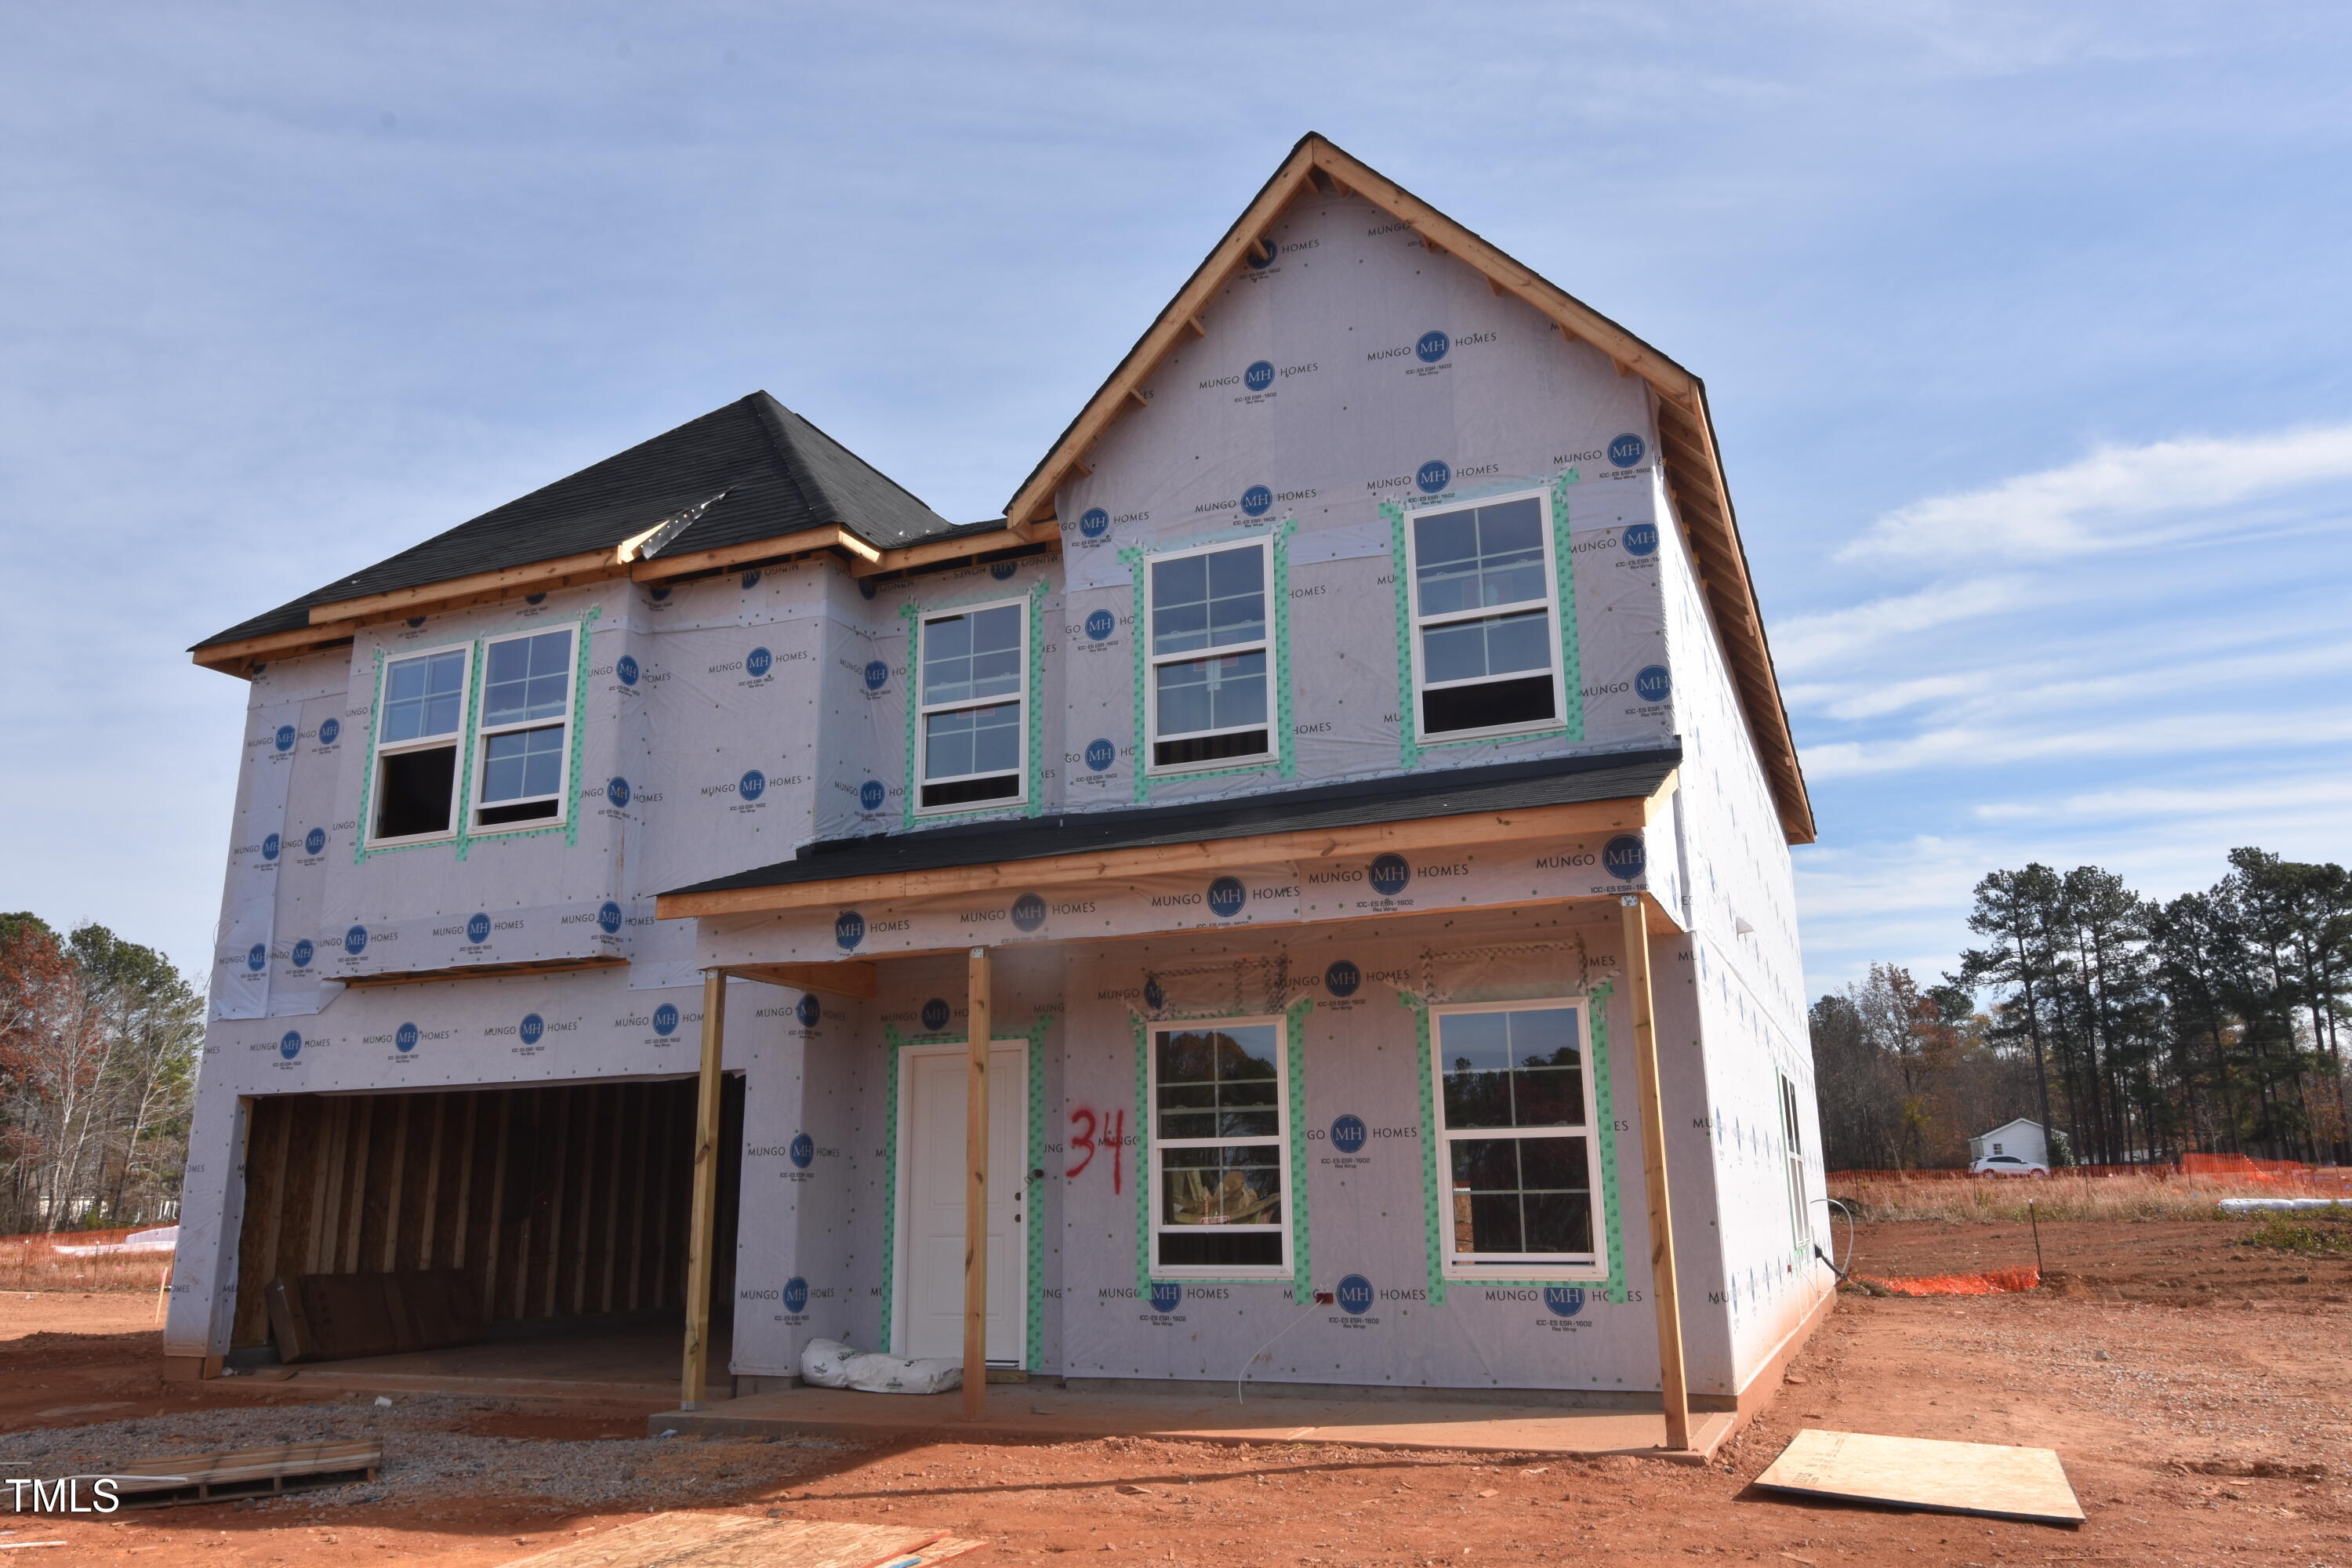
{"type": "Point", "coordinates": [2021, 1140]}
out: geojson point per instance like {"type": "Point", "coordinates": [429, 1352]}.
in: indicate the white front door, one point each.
{"type": "Point", "coordinates": [927, 1316]}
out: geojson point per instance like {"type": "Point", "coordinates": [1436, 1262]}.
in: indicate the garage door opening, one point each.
{"type": "Point", "coordinates": [521, 1235]}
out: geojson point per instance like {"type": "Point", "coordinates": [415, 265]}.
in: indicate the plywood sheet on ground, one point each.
{"type": "Point", "coordinates": [1986, 1479]}
{"type": "Point", "coordinates": [732, 1541]}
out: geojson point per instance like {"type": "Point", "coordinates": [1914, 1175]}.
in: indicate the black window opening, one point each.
{"type": "Point", "coordinates": [414, 791]}
{"type": "Point", "coordinates": [1486, 647]}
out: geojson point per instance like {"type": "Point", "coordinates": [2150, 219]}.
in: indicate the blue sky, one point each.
{"type": "Point", "coordinates": [2024, 329]}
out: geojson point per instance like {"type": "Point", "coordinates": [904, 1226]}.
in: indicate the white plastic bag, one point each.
{"type": "Point", "coordinates": [825, 1362]}
{"type": "Point", "coordinates": [879, 1374]}
{"type": "Point", "coordinates": [829, 1363]}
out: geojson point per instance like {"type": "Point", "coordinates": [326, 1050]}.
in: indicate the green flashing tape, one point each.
{"type": "Point", "coordinates": [360, 851]}
{"type": "Point", "coordinates": [1133, 558]}
{"type": "Point", "coordinates": [1407, 722]}
{"type": "Point", "coordinates": [913, 616]}
{"type": "Point", "coordinates": [1434, 1239]}
{"type": "Point", "coordinates": [1285, 746]}
{"type": "Point", "coordinates": [1034, 1349]}
{"type": "Point", "coordinates": [1302, 1289]}
{"type": "Point", "coordinates": [466, 763]}
{"type": "Point", "coordinates": [1033, 693]}
{"type": "Point", "coordinates": [1139, 1144]}
{"type": "Point", "coordinates": [1572, 662]}
{"type": "Point", "coordinates": [1603, 1099]}
{"type": "Point", "coordinates": [579, 727]}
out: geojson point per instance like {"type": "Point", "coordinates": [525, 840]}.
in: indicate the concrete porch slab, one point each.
{"type": "Point", "coordinates": [1039, 1413]}
{"type": "Point", "coordinates": [633, 1366]}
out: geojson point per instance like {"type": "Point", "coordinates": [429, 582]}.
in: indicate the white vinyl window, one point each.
{"type": "Point", "coordinates": [1220, 1149]}
{"type": "Point", "coordinates": [521, 775]}
{"type": "Point", "coordinates": [421, 709]}
{"type": "Point", "coordinates": [1792, 1140]}
{"type": "Point", "coordinates": [1485, 647]}
{"type": "Point", "coordinates": [1518, 1158]}
{"type": "Point", "coordinates": [1209, 657]}
{"type": "Point", "coordinates": [975, 689]}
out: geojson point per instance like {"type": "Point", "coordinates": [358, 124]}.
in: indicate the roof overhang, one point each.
{"type": "Point", "coordinates": [1686, 429]}
{"type": "Point", "coordinates": [982, 862]}
{"type": "Point", "coordinates": [338, 622]}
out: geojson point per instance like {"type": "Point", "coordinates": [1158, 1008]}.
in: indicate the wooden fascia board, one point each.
{"type": "Point", "coordinates": [849, 977]}
{"type": "Point", "coordinates": [1160, 859]}
{"type": "Point", "coordinates": [1174, 324]}
{"type": "Point", "coordinates": [238, 657]}
{"type": "Point", "coordinates": [908, 557]}
{"type": "Point", "coordinates": [831, 536]}
{"type": "Point", "coordinates": [407, 601]}
{"type": "Point", "coordinates": [1670, 380]}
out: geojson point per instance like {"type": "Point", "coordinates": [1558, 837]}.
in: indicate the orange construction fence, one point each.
{"type": "Point", "coordinates": [1991, 1282]}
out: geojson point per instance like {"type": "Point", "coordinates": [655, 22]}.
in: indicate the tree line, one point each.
{"type": "Point", "coordinates": [2133, 1029]}
{"type": "Point", "coordinates": [100, 1039]}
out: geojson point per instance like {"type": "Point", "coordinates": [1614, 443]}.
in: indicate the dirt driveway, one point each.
{"type": "Point", "coordinates": [2194, 1386]}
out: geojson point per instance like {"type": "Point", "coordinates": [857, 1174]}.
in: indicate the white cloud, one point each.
{"type": "Point", "coordinates": [2270, 798]}
{"type": "Point", "coordinates": [2118, 496]}
{"type": "Point", "coordinates": [1808, 641]}
{"type": "Point", "coordinates": [2162, 734]}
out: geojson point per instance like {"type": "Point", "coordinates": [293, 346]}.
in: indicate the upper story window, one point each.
{"type": "Point", "coordinates": [974, 686]}
{"type": "Point", "coordinates": [522, 758]}
{"type": "Point", "coordinates": [1220, 1148]}
{"type": "Point", "coordinates": [1209, 657]}
{"type": "Point", "coordinates": [1485, 647]}
{"type": "Point", "coordinates": [424, 704]}
{"type": "Point", "coordinates": [1517, 1121]}
{"type": "Point", "coordinates": [525, 730]}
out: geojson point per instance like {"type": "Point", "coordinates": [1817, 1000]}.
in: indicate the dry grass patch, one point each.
{"type": "Point", "coordinates": [2059, 1196]}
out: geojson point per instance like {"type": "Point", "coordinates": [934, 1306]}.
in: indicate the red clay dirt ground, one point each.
{"type": "Point", "coordinates": [2193, 1385]}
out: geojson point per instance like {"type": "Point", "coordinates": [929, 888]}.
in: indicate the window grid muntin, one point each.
{"type": "Point", "coordinates": [559, 723]}
{"type": "Point", "coordinates": [926, 710]}
{"type": "Point", "coordinates": [1592, 1264]}
{"type": "Point", "coordinates": [1278, 1140]}
{"type": "Point", "coordinates": [453, 739]}
{"type": "Point", "coordinates": [1420, 623]}
{"type": "Point", "coordinates": [1156, 661]}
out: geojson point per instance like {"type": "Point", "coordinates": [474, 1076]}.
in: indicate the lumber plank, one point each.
{"type": "Point", "coordinates": [732, 1541]}
{"type": "Point", "coordinates": [1990, 1479]}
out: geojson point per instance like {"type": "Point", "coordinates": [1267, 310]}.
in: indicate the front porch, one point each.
{"type": "Point", "coordinates": [1039, 1411]}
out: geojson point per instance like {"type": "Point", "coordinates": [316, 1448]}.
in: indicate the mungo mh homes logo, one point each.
{"type": "Point", "coordinates": [1623, 857]}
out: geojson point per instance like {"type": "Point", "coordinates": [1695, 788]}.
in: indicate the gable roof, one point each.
{"type": "Point", "coordinates": [1686, 429]}
{"type": "Point", "coordinates": [749, 471]}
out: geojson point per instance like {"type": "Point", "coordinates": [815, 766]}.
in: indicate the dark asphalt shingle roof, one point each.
{"type": "Point", "coordinates": [770, 471]}
{"type": "Point", "coordinates": [1452, 791]}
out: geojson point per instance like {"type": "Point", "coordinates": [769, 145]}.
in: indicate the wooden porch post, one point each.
{"type": "Point", "coordinates": [703, 1216]}
{"type": "Point", "coordinates": [978, 1034]}
{"type": "Point", "coordinates": [1671, 1383]}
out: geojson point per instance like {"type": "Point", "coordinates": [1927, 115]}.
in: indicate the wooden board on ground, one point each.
{"type": "Point", "coordinates": [733, 1541]}
{"type": "Point", "coordinates": [244, 1472]}
{"type": "Point", "coordinates": [1984, 1478]}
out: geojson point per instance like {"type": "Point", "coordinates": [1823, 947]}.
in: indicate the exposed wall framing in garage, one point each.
{"type": "Point", "coordinates": [565, 1201]}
